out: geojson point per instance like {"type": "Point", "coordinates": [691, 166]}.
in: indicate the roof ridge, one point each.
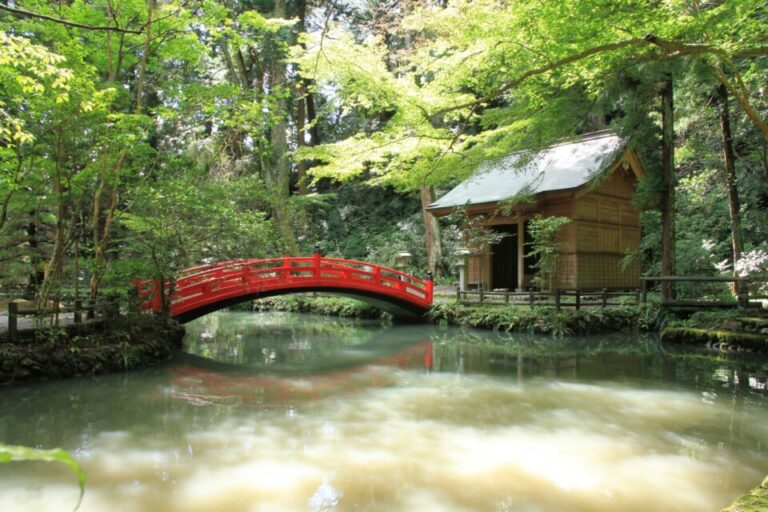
{"type": "Point", "coordinates": [599, 134]}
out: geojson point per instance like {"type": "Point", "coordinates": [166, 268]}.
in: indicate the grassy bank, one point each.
{"type": "Point", "coordinates": [88, 349]}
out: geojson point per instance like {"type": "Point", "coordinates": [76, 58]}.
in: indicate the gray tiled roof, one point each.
{"type": "Point", "coordinates": [559, 167]}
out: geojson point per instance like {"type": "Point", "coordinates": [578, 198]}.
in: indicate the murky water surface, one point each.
{"type": "Point", "coordinates": [282, 412]}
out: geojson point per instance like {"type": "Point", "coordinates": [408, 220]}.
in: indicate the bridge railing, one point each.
{"type": "Point", "coordinates": [196, 285]}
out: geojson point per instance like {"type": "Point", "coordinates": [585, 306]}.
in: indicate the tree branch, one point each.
{"type": "Point", "coordinates": [543, 69]}
{"type": "Point", "coordinates": [743, 101]}
{"type": "Point", "coordinates": [670, 50]}
{"type": "Point", "coordinates": [30, 14]}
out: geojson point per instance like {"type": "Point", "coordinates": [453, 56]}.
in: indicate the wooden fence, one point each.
{"type": "Point", "coordinates": [80, 310]}
{"type": "Point", "coordinates": [702, 292]}
{"type": "Point", "coordinates": [560, 299]}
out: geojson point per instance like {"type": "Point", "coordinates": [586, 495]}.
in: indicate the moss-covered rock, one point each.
{"type": "Point", "coordinates": [755, 501]}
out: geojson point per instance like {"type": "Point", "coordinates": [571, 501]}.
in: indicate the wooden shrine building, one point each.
{"type": "Point", "coordinates": [590, 180]}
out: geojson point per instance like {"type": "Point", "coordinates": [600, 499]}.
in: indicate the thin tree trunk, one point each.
{"type": "Point", "coordinates": [668, 194]}
{"type": "Point", "coordinates": [54, 270]}
{"type": "Point", "coordinates": [102, 229]}
{"type": "Point", "coordinates": [431, 232]}
{"type": "Point", "coordinates": [144, 57]}
{"type": "Point", "coordinates": [737, 246]}
{"type": "Point", "coordinates": [301, 166]}
{"type": "Point", "coordinates": [37, 276]}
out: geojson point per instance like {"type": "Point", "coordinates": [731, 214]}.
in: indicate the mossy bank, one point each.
{"type": "Point", "coordinates": [539, 320]}
{"type": "Point", "coordinates": [725, 331]}
{"type": "Point", "coordinates": [755, 501]}
{"type": "Point", "coordinates": [547, 320]}
{"type": "Point", "coordinates": [88, 349]}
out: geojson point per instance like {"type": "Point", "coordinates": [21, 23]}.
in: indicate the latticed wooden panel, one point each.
{"type": "Point", "coordinates": [567, 271]}
{"type": "Point", "coordinates": [479, 270]}
{"type": "Point", "coordinates": [604, 271]}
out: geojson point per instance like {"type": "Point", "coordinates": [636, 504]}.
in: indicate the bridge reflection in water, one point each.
{"type": "Point", "coordinates": [205, 382]}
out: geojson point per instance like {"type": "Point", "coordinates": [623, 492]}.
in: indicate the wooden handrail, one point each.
{"type": "Point", "coordinates": [713, 279]}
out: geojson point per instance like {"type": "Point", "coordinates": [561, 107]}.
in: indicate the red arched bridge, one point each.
{"type": "Point", "coordinates": [201, 290]}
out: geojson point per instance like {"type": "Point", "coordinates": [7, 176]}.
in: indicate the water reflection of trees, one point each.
{"type": "Point", "coordinates": [275, 338]}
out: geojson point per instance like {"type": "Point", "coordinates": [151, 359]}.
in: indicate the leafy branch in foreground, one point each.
{"type": "Point", "coordinates": [9, 453]}
{"type": "Point", "coordinates": [23, 12]}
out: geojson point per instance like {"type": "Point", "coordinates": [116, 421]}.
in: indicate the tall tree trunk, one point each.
{"type": "Point", "coordinates": [431, 232]}
{"type": "Point", "coordinates": [668, 194]}
{"type": "Point", "coordinates": [279, 172]}
{"type": "Point", "coordinates": [737, 246]}
{"type": "Point", "coordinates": [302, 108]}
{"type": "Point", "coordinates": [314, 133]}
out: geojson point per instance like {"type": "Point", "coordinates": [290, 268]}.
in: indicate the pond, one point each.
{"type": "Point", "coordinates": [289, 412]}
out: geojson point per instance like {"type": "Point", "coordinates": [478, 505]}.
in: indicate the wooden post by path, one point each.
{"type": "Point", "coordinates": [13, 315]}
{"type": "Point", "coordinates": [557, 299]}
{"type": "Point", "coordinates": [578, 299]}
{"type": "Point", "coordinates": [605, 297]}
{"type": "Point", "coordinates": [78, 313]}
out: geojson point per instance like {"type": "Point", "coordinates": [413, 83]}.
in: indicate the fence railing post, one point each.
{"type": "Point", "coordinates": [481, 295]}
{"type": "Point", "coordinates": [605, 297]}
{"type": "Point", "coordinates": [530, 298]}
{"type": "Point", "coordinates": [557, 299]}
{"type": "Point", "coordinates": [578, 299]}
{"type": "Point", "coordinates": [506, 297]}
{"type": "Point", "coordinates": [13, 316]}
{"type": "Point", "coordinates": [77, 313]}
{"type": "Point", "coordinates": [742, 293]}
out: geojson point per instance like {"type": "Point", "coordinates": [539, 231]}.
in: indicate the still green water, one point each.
{"type": "Point", "coordinates": [286, 412]}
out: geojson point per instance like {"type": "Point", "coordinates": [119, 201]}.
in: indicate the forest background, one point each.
{"type": "Point", "coordinates": [140, 137]}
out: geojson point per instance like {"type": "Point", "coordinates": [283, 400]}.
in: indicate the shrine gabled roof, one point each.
{"type": "Point", "coordinates": [562, 166]}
